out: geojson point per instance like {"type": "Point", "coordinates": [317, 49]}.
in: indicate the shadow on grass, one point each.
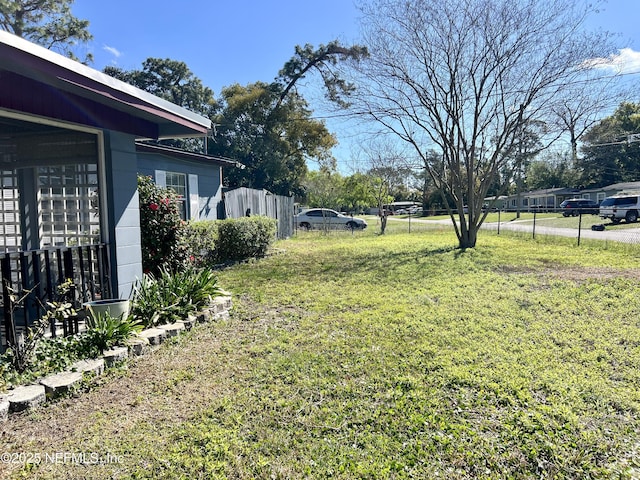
{"type": "Point", "coordinates": [383, 261]}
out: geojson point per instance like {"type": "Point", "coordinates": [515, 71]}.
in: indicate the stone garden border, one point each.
{"type": "Point", "coordinates": [46, 389]}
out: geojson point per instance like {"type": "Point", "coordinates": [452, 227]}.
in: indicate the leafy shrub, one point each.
{"type": "Point", "coordinates": [149, 301]}
{"type": "Point", "coordinates": [57, 353]}
{"type": "Point", "coordinates": [202, 236]}
{"type": "Point", "coordinates": [162, 230]}
{"type": "Point", "coordinates": [51, 355]}
{"type": "Point", "coordinates": [200, 286]}
{"type": "Point", "coordinates": [246, 237]}
{"type": "Point", "coordinates": [21, 349]}
{"type": "Point", "coordinates": [171, 296]}
{"type": "Point", "coordinates": [105, 331]}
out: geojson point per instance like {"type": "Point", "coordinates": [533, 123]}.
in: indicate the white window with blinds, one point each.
{"type": "Point", "coordinates": [185, 187]}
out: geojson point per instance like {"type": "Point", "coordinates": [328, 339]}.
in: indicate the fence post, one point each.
{"type": "Point", "coordinates": [498, 222]}
{"type": "Point", "coordinates": [24, 281]}
{"type": "Point", "coordinates": [534, 223]}
{"type": "Point", "coordinates": [579, 226]}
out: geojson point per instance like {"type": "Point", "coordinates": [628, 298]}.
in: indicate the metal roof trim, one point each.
{"type": "Point", "coordinates": [172, 151]}
{"type": "Point", "coordinates": [73, 72]}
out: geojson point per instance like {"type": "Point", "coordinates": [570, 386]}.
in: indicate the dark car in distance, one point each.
{"type": "Point", "coordinates": [577, 206]}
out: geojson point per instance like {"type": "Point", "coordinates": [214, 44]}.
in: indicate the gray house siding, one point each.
{"type": "Point", "coordinates": [549, 198]}
{"type": "Point", "coordinates": [208, 180]}
{"type": "Point", "coordinates": [123, 222]}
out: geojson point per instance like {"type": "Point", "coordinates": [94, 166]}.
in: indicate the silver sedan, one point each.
{"type": "Point", "coordinates": [327, 218]}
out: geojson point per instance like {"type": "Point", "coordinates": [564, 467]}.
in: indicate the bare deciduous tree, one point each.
{"type": "Point", "coordinates": [387, 167]}
{"type": "Point", "coordinates": [462, 77]}
{"type": "Point", "coordinates": [584, 103]}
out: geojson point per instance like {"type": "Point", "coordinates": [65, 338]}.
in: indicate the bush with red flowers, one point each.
{"type": "Point", "coordinates": [163, 232]}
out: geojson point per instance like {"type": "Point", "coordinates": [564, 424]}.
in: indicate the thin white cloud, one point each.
{"type": "Point", "coordinates": [626, 61]}
{"type": "Point", "coordinates": [112, 50]}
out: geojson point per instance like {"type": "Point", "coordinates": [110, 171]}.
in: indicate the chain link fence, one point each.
{"type": "Point", "coordinates": [576, 227]}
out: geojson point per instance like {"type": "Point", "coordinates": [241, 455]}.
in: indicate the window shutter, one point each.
{"type": "Point", "coordinates": [194, 197]}
{"type": "Point", "coordinates": [161, 178]}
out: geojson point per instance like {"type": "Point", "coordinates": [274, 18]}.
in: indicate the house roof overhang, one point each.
{"type": "Point", "coordinates": [551, 192]}
{"type": "Point", "coordinates": [43, 83]}
{"type": "Point", "coordinates": [185, 155]}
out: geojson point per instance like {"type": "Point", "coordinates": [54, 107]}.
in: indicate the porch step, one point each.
{"type": "Point", "coordinates": [22, 330]}
{"type": "Point", "coordinates": [82, 327]}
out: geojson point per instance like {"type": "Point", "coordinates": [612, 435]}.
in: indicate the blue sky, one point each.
{"type": "Point", "coordinates": [245, 41]}
{"type": "Point", "coordinates": [222, 42]}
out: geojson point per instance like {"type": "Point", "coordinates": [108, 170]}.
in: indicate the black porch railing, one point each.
{"type": "Point", "coordinates": [35, 275]}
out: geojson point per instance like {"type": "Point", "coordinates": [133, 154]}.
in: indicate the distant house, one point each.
{"type": "Point", "coordinates": [599, 194]}
{"type": "Point", "coordinates": [551, 198]}
{"type": "Point", "coordinates": [70, 152]}
{"type": "Point", "coordinates": [497, 203]}
{"type": "Point", "coordinates": [548, 198]}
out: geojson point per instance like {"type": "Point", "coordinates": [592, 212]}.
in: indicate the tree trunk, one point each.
{"type": "Point", "coordinates": [383, 223]}
{"type": "Point", "coordinates": [468, 237]}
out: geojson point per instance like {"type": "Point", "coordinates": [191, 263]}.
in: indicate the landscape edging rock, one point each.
{"type": "Point", "coordinates": [25, 397]}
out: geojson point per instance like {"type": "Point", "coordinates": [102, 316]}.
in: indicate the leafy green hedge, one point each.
{"type": "Point", "coordinates": [243, 238]}
{"type": "Point", "coordinates": [213, 242]}
{"type": "Point", "coordinates": [202, 237]}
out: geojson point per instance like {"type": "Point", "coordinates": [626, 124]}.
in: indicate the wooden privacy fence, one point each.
{"type": "Point", "coordinates": [248, 201]}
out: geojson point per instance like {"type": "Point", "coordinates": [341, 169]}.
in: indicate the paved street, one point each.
{"type": "Point", "coordinates": [626, 235]}
{"type": "Point", "coordinates": [611, 233]}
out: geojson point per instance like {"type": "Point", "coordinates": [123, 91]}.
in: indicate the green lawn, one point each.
{"type": "Point", "coordinates": [491, 217]}
{"type": "Point", "coordinates": [397, 356]}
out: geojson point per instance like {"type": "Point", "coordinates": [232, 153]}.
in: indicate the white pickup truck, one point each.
{"type": "Point", "coordinates": [621, 207]}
